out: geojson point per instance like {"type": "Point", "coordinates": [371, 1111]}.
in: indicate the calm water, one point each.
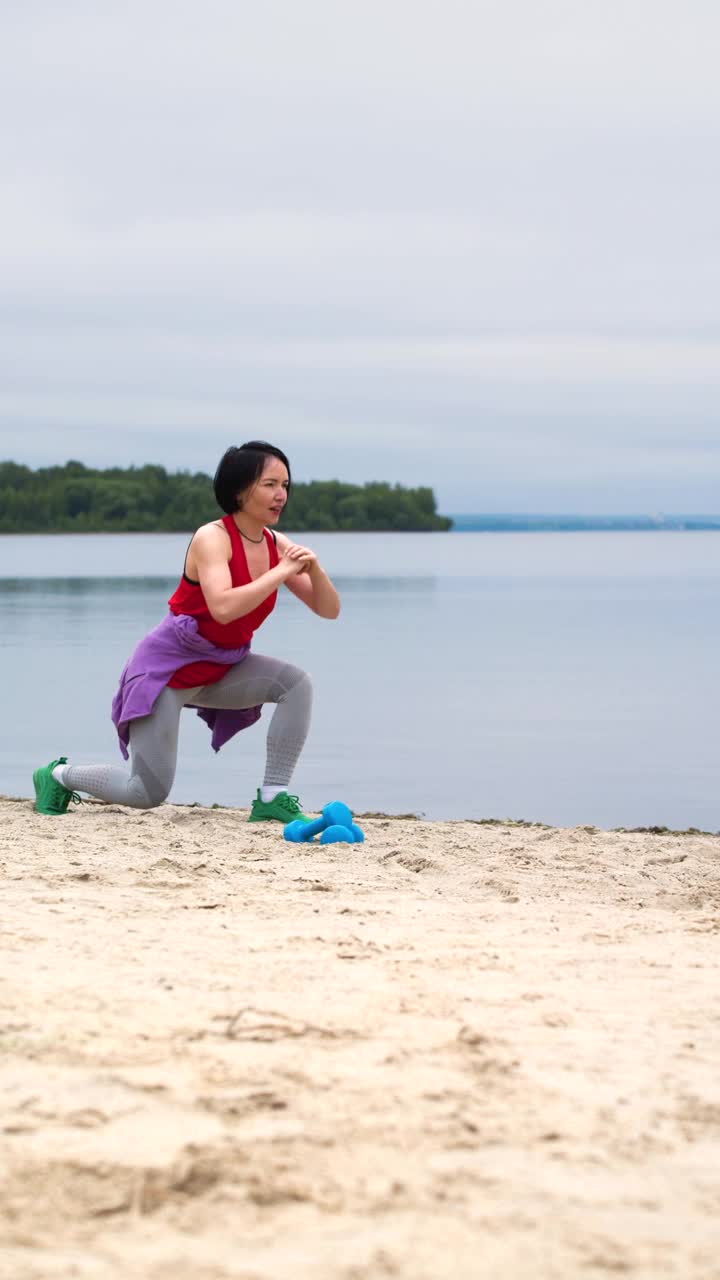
{"type": "Point", "coordinates": [570, 678]}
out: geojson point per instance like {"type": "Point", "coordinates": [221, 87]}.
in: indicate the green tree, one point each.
{"type": "Point", "coordinates": [76, 497]}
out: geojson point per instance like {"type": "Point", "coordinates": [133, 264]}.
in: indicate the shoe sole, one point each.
{"type": "Point", "coordinates": [37, 789]}
{"type": "Point", "coordinates": [271, 818]}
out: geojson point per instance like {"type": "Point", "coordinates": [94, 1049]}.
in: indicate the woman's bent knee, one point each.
{"type": "Point", "coordinates": [146, 793]}
{"type": "Point", "coordinates": [300, 692]}
{"type": "Point", "coordinates": [138, 798]}
{"type": "Point", "coordinates": [294, 676]}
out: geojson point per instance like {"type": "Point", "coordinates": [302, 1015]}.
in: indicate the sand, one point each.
{"type": "Point", "coordinates": [458, 1050]}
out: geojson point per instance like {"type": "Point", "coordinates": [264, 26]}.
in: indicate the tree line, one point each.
{"type": "Point", "coordinates": [77, 499]}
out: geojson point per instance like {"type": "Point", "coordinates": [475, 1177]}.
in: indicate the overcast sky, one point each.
{"type": "Point", "coordinates": [474, 245]}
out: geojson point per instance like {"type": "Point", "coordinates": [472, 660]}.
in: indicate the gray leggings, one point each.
{"type": "Point", "coordinates": [154, 738]}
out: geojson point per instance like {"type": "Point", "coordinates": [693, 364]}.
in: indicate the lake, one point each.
{"type": "Point", "coordinates": [568, 678]}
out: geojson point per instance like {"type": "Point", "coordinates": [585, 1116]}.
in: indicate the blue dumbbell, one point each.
{"type": "Point", "coordinates": [297, 831]}
{"type": "Point", "coordinates": [337, 835]}
{"type": "Point", "coordinates": [335, 817]}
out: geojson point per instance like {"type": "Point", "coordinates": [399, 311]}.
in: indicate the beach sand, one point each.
{"type": "Point", "coordinates": [458, 1050]}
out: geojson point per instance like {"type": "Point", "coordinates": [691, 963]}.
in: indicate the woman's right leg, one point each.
{"type": "Point", "coordinates": [153, 756]}
{"type": "Point", "coordinates": [255, 681]}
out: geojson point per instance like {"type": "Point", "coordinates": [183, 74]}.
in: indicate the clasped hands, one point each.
{"type": "Point", "coordinates": [299, 559]}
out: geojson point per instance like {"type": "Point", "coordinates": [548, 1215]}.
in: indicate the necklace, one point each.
{"type": "Point", "coordinates": [247, 538]}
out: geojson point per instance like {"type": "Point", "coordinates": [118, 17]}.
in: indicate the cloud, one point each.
{"type": "Point", "coordinates": [491, 227]}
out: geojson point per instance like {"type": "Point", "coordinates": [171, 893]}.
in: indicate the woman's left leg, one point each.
{"type": "Point", "coordinates": [259, 679]}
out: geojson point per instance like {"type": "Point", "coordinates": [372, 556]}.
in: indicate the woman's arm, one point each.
{"type": "Point", "coordinates": [226, 602]}
{"type": "Point", "coordinates": [311, 584]}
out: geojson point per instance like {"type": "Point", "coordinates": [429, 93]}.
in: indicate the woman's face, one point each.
{"type": "Point", "coordinates": [265, 500]}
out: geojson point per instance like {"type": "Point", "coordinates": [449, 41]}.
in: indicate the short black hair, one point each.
{"type": "Point", "coordinates": [242, 466]}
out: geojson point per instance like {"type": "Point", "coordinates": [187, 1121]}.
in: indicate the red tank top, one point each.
{"type": "Point", "coordinates": [189, 599]}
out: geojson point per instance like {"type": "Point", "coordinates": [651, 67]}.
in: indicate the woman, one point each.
{"type": "Point", "coordinates": [199, 656]}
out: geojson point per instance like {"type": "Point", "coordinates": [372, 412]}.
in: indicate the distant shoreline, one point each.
{"type": "Point", "coordinates": [515, 523]}
{"type": "Point", "coordinates": [461, 524]}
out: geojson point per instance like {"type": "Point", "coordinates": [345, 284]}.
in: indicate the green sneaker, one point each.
{"type": "Point", "coordinates": [50, 795]}
{"type": "Point", "coordinates": [283, 808]}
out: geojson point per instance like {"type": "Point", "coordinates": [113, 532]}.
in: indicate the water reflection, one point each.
{"type": "Point", "coordinates": [552, 691]}
{"type": "Point", "coordinates": [83, 586]}
{"type": "Point", "coordinates": [162, 585]}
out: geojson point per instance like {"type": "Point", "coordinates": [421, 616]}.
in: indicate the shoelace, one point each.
{"type": "Point", "coordinates": [76, 799]}
{"type": "Point", "coordinates": [293, 804]}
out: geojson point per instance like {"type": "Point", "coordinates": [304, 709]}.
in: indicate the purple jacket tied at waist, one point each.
{"type": "Point", "coordinates": [173, 644]}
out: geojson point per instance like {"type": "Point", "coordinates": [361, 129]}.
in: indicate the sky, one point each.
{"type": "Point", "coordinates": [472, 245]}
